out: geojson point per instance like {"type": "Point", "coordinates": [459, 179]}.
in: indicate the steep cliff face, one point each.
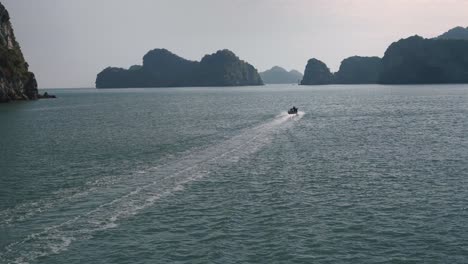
{"type": "Point", "coordinates": [224, 68]}
{"type": "Point", "coordinates": [316, 73]}
{"type": "Point", "coordinates": [16, 82]}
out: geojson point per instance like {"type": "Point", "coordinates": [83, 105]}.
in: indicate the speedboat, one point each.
{"type": "Point", "coordinates": [293, 111]}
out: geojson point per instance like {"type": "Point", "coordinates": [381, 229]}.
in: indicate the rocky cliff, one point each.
{"type": "Point", "coordinates": [161, 68]}
{"type": "Point", "coordinates": [16, 82]}
{"type": "Point", "coordinates": [316, 73]}
{"type": "Point", "coordinates": [224, 68]}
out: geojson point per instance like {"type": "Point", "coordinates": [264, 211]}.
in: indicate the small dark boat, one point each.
{"type": "Point", "coordinates": [293, 111]}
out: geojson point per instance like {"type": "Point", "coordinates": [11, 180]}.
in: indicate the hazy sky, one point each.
{"type": "Point", "coordinates": [67, 42]}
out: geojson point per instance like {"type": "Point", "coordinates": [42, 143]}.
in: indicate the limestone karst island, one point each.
{"type": "Point", "coordinates": [414, 60]}
{"type": "Point", "coordinates": [162, 68]}
{"type": "Point", "coordinates": [16, 81]}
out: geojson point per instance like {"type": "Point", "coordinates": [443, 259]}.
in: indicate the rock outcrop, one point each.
{"type": "Point", "coordinates": [359, 70]}
{"type": "Point", "coordinates": [416, 60]}
{"type": "Point", "coordinates": [16, 81]}
{"type": "Point", "coordinates": [46, 95]}
{"type": "Point", "coordinates": [316, 73]}
{"type": "Point", "coordinates": [278, 75]}
{"type": "Point", "coordinates": [161, 68]}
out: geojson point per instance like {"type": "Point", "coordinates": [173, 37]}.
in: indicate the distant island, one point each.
{"type": "Point", "coordinates": [414, 60]}
{"type": "Point", "coordinates": [353, 70]}
{"type": "Point", "coordinates": [16, 81]}
{"type": "Point", "coordinates": [162, 68]}
{"type": "Point", "coordinates": [278, 75]}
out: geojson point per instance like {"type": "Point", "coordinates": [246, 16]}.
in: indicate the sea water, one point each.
{"type": "Point", "coordinates": [363, 174]}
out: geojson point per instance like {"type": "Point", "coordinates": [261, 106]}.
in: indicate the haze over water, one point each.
{"type": "Point", "coordinates": [364, 174]}
{"type": "Point", "coordinates": [66, 43]}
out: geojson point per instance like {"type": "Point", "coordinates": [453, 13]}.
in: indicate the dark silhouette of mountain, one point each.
{"type": "Point", "coordinates": [224, 68]}
{"type": "Point", "coordinates": [316, 73]}
{"type": "Point", "coordinates": [455, 33]}
{"type": "Point", "coordinates": [278, 75]}
{"type": "Point", "coordinates": [16, 81]}
{"type": "Point", "coordinates": [359, 70]}
{"type": "Point", "coordinates": [161, 68]}
{"type": "Point", "coordinates": [416, 60]}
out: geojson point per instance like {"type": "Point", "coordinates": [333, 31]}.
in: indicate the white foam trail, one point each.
{"type": "Point", "coordinates": [152, 186]}
{"type": "Point", "coordinates": [25, 211]}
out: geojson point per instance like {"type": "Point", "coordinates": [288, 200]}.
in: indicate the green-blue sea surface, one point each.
{"type": "Point", "coordinates": [363, 174]}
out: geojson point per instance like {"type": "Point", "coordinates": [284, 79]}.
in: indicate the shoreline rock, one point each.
{"type": "Point", "coordinates": [46, 95]}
